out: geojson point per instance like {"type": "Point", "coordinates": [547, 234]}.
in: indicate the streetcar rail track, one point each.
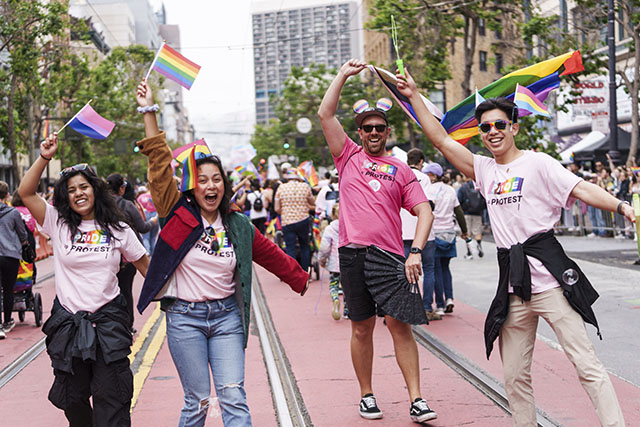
{"type": "Point", "coordinates": [486, 384]}
{"type": "Point", "coordinates": [290, 407]}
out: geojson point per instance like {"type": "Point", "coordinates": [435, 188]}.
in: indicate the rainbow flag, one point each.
{"type": "Point", "coordinates": [317, 237]}
{"type": "Point", "coordinates": [526, 100]}
{"type": "Point", "coordinates": [308, 173]}
{"type": "Point", "coordinates": [274, 225]}
{"type": "Point", "coordinates": [171, 64]}
{"type": "Point", "coordinates": [635, 169]}
{"type": "Point", "coordinates": [189, 172]}
{"type": "Point", "coordinates": [390, 82]}
{"type": "Point", "coordinates": [540, 78]}
{"type": "Point", "coordinates": [91, 124]}
{"type": "Point", "coordinates": [181, 153]}
{"type": "Point", "coordinates": [45, 129]}
{"type": "Point", "coordinates": [25, 277]}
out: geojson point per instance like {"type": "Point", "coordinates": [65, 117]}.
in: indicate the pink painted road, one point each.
{"type": "Point", "coordinates": [317, 348]}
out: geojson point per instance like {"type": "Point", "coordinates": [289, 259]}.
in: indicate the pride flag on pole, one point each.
{"type": "Point", "coordinates": [308, 173]}
{"type": "Point", "coordinates": [171, 64]}
{"type": "Point", "coordinates": [189, 172]}
{"type": "Point", "coordinates": [45, 129]}
{"type": "Point", "coordinates": [91, 124]}
{"type": "Point", "coordinates": [526, 100]}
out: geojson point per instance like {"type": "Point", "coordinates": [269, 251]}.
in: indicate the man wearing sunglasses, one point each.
{"type": "Point", "coordinates": [524, 193]}
{"type": "Point", "coordinates": [373, 188]}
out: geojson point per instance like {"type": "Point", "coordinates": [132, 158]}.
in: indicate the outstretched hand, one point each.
{"type": "Point", "coordinates": [144, 95]}
{"type": "Point", "coordinates": [406, 85]}
{"type": "Point", "coordinates": [49, 146]}
{"type": "Point", "coordinates": [353, 67]}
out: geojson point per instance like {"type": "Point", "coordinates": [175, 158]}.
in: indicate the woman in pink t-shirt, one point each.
{"type": "Point", "coordinates": [88, 336]}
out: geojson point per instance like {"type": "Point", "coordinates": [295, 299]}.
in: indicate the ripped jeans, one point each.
{"type": "Point", "coordinates": [202, 335]}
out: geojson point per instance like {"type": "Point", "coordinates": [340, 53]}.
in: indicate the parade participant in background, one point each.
{"type": "Point", "coordinates": [293, 201]}
{"type": "Point", "coordinates": [473, 205]}
{"type": "Point", "coordinates": [415, 160]}
{"type": "Point", "coordinates": [259, 206]}
{"type": "Point", "coordinates": [14, 235]}
{"type": "Point", "coordinates": [145, 200]}
{"type": "Point", "coordinates": [525, 191]}
{"type": "Point", "coordinates": [328, 258]}
{"type": "Point", "coordinates": [373, 188]}
{"type": "Point", "coordinates": [327, 197]}
{"type": "Point", "coordinates": [201, 271]}
{"type": "Point", "coordinates": [127, 272]}
{"type": "Point", "coordinates": [446, 206]}
{"type": "Point", "coordinates": [88, 336]}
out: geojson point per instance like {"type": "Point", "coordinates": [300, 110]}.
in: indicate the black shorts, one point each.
{"type": "Point", "coordinates": [356, 294]}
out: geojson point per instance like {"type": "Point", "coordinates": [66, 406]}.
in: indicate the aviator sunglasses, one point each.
{"type": "Point", "coordinates": [215, 246]}
{"type": "Point", "coordinates": [76, 168]}
{"type": "Point", "coordinates": [485, 127]}
{"type": "Point", "coordinates": [369, 128]}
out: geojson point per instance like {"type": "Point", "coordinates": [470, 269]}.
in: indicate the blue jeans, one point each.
{"type": "Point", "coordinates": [149, 239]}
{"type": "Point", "coordinates": [428, 279]}
{"type": "Point", "coordinates": [444, 285]}
{"type": "Point", "coordinates": [597, 221]}
{"type": "Point", "coordinates": [202, 335]}
{"type": "Point", "coordinates": [298, 231]}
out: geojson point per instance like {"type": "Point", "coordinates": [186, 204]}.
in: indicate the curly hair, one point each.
{"type": "Point", "coordinates": [225, 204]}
{"type": "Point", "coordinates": [107, 214]}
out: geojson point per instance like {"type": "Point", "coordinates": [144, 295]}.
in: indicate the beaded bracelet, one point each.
{"type": "Point", "coordinates": [149, 109]}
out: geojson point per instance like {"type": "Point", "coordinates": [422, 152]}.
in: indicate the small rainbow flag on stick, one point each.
{"type": "Point", "coordinates": [89, 123]}
{"type": "Point", "coordinates": [171, 64]}
{"type": "Point", "coordinates": [189, 172]}
{"type": "Point", "coordinates": [527, 100]}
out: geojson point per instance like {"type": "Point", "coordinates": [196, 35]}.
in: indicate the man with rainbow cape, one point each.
{"type": "Point", "coordinates": [524, 192]}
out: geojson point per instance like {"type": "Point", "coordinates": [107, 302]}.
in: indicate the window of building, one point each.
{"type": "Point", "coordinates": [498, 32]}
{"type": "Point", "coordinates": [499, 63]}
{"type": "Point", "coordinates": [482, 28]}
{"type": "Point", "coordinates": [483, 60]}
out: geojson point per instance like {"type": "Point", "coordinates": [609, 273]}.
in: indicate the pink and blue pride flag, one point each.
{"type": "Point", "coordinates": [527, 100]}
{"type": "Point", "coordinates": [171, 64]}
{"type": "Point", "coordinates": [91, 124]}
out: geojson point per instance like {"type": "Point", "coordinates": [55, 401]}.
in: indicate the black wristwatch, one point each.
{"type": "Point", "coordinates": [415, 251]}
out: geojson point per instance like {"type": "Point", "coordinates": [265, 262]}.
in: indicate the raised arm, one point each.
{"type": "Point", "coordinates": [29, 184]}
{"type": "Point", "coordinates": [163, 189]}
{"type": "Point", "coordinates": [455, 152]}
{"type": "Point", "coordinates": [599, 198]}
{"type": "Point", "coordinates": [333, 131]}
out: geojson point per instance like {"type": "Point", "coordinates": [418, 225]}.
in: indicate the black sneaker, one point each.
{"type": "Point", "coordinates": [368, 407]}
{"type": "Point", "coordinates": [420, 411]}
{"type": "Point", "coordinates": [8, 326]}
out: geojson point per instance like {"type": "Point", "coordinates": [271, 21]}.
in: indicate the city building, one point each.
{"type": "Point", "coordinates": [321, 32]}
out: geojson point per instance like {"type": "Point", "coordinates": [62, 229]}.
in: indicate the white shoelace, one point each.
{"type": "Point", "coordinates": [421, 405]}
{"type": "Point", "coordinates": [369, 401]}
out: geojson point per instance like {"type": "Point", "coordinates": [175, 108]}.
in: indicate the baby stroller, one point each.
{"type": "Point", "coordinates": [24, 299]}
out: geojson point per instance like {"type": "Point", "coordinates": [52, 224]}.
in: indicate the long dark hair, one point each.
{"type": "Point", "coordinates": [225, 203]}
{"type": "Point", "coordinates": [106, 212]}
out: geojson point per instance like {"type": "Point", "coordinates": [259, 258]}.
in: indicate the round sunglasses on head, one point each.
{"type": "Point", "coordinates": [76, 168]}
{"type": "Point", "coordinates": [485, 127]}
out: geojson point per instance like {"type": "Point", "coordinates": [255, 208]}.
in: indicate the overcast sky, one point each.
{"type": "Point", "coordinates": [217, 36]}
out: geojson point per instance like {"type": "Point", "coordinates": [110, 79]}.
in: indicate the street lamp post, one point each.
{"type": "Point", "coordinates": [613, 113]}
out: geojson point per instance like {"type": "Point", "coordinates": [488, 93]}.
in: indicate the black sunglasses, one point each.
{"type": "Point", "coordinates": [76, 168]}
{"type": "Point", "coordinates": [485, 127]}
{"type": "Point", "coordinates": [215, 246]}
{"type": "Point", "coordinates": [378, 128]}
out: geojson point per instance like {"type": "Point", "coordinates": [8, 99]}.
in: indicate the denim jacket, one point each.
{"type": "Point", "coordinates": [182, 227]}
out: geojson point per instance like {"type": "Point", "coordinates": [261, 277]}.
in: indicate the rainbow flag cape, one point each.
{"type": "Point", "coordinates": [181, 153]}
{"type": "Point", "coordinates": [540, 79]}
{"type": "Point", "coordinates": [527, 100]}
{"type": "Point", "coordinates": [189, 172]}
{"type": "Point", "coordinates": [390, 82]}
{"type": "Point", "coordinates": [91, 124]}
{"type": "Point", "coordinates": [171, 64]}
{"type": "Point", "coordinates": [308, 173]}
{"type": "Point", "coordinates": [25, 277]}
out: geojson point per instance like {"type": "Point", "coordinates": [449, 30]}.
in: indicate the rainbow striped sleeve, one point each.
{"type": "Point", "coordinates": [171, 64]}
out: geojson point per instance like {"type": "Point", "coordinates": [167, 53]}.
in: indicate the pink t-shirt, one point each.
{"type": "Point", "coordinates": [27, 218]}
{"type": "Point", "coordinates": [86, 269]}
{"type": "Point", "coordinates": [372, 191]}
{"type": "Point", "coordinates": [525, 197]}
{"type": "Point", "coordinates": [146, 202]}
{"type": "Point", "coordinates": [205, 274]}
{"type": "Point", "coordinates": [445, 200]}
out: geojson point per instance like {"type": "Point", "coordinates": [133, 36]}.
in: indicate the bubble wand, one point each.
{"type": "Point", "coordinates": [394, 39]}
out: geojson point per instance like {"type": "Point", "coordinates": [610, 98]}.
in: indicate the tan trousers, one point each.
{"type": "Point", "coordinates": [517, 339]}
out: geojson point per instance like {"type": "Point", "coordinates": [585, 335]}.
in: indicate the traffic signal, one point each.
{"type": "Point", "coordinates": [286, 145]}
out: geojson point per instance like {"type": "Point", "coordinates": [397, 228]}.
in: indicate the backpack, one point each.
{"type": "Point", "coordinates": [258, 204]}
{"type": "Point", "coordinates": [29, 248]}
{"type": "Point", "coordinates": [471, 201]}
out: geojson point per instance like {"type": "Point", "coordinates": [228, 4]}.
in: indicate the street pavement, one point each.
{"type": "Point", "coordinates": [317, 350]}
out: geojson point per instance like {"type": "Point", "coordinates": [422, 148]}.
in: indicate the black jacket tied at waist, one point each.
{"type": "Point", "coordinates": [514, 267]}
{"type": "Point", "coordinates": [78, 335]}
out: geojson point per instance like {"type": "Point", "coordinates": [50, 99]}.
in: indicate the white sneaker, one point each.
{"type": "Point", "coordinates": [448, 305]}
{"type": "Point", "coordinates": [591, 235]}
{"type": "Point", "coordinates": [2, 334]}
{"type": "Point", "coordinates": [440, 311]}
